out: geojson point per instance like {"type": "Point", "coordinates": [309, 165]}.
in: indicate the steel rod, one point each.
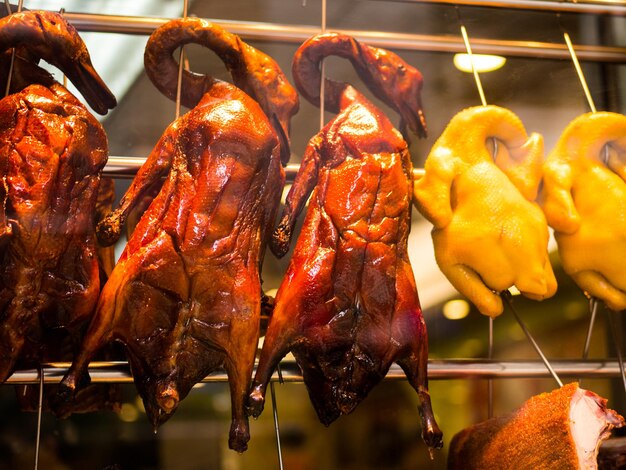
{"type": "Point", "coordinates": [39, 414]}
{"type": "Point", "coordinates": [391, 40]}
{"type": "Point", "coordinates": [126, 168]}
{"type": "Point", "coordinates": [119, 372]}
{"type": "Point", "coordinates": [587, 7]}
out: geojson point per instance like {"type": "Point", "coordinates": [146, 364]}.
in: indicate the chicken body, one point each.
{"type": "Point", "coordinates": [348, 306]}
{"type": "Point", "coordinates": [583, 198]}
{"type": "Point", "coordinates": [488, 234]}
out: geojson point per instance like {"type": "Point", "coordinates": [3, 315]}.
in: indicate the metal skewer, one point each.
{"type": "Point", "coordinates": [617, 343]}
{"type": "Point", "coordinates": [506, 296]}
{"type": "Point", "coordinates": [181, 60]}
{"type": "Point", "coordinates": [39, 413]}
{"type": "Point", "coordinates": [11, 64]}
{"type": "Point", "coordinates": [483, 100]}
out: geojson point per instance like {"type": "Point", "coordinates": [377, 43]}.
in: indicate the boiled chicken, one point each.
{"type": "Point", "coordinates": [52, 151]}
{"type": "Point", "coordinates": [185, 296]}
{"type": "Point", "coordinates": [584, 199]}
{"type": "Point", "coordinates": [562, 429]}
{"type": "Point", "coordinates": [348, 307]}
{"type": "Point", "coordinates": [488, 234]}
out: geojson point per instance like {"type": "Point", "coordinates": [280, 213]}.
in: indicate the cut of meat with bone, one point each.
{"type": "Point", "coordinates": [185, 296]}
{"type": "Point", "coordinates": [348, 306]}
{"type": "Point", "coordinates": [562, 429]}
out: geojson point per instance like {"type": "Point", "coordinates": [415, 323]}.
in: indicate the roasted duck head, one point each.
{"type": "Point", "coordinates": [185, 296]}
{"type": "Point", "coordinates": [348, 306]}
{"type": "Point", "coordinates": [489, 233]}
{"type": "Point", "coordinates": [52, 151]}
{"type": "Point", "coordinates": [583, 197]}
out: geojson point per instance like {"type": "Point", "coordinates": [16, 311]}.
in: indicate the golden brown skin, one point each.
{"type": "Point", "coordinates": [185, 296]}
{"type": "Point", "coordinates": [584, 199]}
{"type": "Point", "coordinates": [348, 307]}
{"type": "Point", "coordinates": [52, 151]}
{"type": "Point", "coordinates": [536, 436]}
{"type": "Point", "coordinates": [488, 234]}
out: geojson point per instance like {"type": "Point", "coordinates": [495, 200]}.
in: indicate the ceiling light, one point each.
{"type": "Point", "coordinates": [456, 309]}
{"type": "Point", "coordinates": [482, 62]}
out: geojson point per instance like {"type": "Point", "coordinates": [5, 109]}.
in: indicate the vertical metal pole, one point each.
{"type": "Point", "coordinates": [9, 11]}
{"type": "Point", "coordinates": [490, 381]}
{"type": "Point", "coordinates": [39, 413]}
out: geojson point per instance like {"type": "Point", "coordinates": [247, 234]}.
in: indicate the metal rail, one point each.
{"type": "Point", "coordinates": [416, 42]}
{"type": "Point", "coordinates": [119, 372]}
{"type": "Point", "coordinates": [126, 168]}
{"type": "Point", "coordinates": [587, 7]}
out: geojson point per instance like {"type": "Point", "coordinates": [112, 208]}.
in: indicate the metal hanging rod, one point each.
{"type": "Point", "coordinates": [589, 7]}
{"type": "Point", "coordinates": [415, 42]}
{"type": "Point", "coordinates": [119, 372]}
{"type": "Point", "coordinates": [126, 168]}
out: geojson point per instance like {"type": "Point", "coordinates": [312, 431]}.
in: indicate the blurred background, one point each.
{"type": "Point", "coordinates": [383, 432]}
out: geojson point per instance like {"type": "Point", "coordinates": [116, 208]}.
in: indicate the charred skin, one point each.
{"type": "Point", "coordinates": [52, 151]}
{"type": "Point", "coordinates": [185, 296]}
{"type": "Point", "coordinates": [348, 306]}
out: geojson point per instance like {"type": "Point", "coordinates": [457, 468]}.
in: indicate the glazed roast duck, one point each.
{"type": "Point", "coordinates": [348, 306]}
{"type": "Point", "coordinates": [185, 296]}
{"type": "Point", "coordinates": [52, 151]}
{"type": "Point", "coordinates": [489, 234]}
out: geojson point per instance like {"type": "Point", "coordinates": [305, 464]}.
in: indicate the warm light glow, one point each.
{"type": "Point", "coordinates": [128, 413]}
{"type": "Point", "coordinates": [514, 291]}
{"type": "Point", "coordinates": [456, 309]}
{"type": "Point", "coordinates": [482, 62]}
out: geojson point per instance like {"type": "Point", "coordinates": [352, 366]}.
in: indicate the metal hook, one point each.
{"type": "Point", "coordinates": [506, 295]}
{"type": "Point", "coordinates": [490, 381]}
{"type": "Point", "coordinates": [181, 60]}
{"type": "Point", "coordinates": [39, 413]}
{"type": "Point", "coordinates": [11, 64]}
{"type": "Point", "coordinates": [617, 343]}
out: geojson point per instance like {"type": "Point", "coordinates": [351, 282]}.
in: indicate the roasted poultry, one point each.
{"type": "Point", "coordinates": [52, 151]}
{"type": "Point", "coordinates": [488, 234]}
{"type": "Point", "coordinates": [185, 296]}
{"type": "Point", "coordinates": [348, 307]}
{"type": "Point", "coordinates": [583, 197]}
{"type": "Point", "coordinates": [562, 429]}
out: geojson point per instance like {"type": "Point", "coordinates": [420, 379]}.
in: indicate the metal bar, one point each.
{"type": "Point", "coordinates": [417, 42]}
{"type": "Point", "coordinates": [588, 7]}
{"type": "Point", "coordinates": [126, 168]}
{"type": "Point", "coordinates": [39, 413]}
{"type": "Point", "coordinates": [119, 372]}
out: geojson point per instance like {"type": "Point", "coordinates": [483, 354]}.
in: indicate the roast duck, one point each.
{"type": "Point", "coordinates": [52, 151]}
{"type": "Point", "coordinates": [489, 234]}
{"type": "Point", "coordinates": [583, 196]}
{"type": "Point", "coordinates": [562, 429]}
{"type": "Point", "coordinates": [185, 296]}
{"type": "Point", "coordinates": [348, 307]}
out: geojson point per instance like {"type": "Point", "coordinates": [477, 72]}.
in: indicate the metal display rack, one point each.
{"type": "Point", "coordinates": [126, 167]}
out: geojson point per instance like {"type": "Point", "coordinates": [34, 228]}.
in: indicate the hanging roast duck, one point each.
{"type": "Point", "coordinates": [348, 307]}
{"type": "Point", "coordinates": [52, 151]}
{"type": "Point", "coordinates": [584, 199]}
{"type": "Point", "coordinates": [185, 296]}
{"type": "Point", "coordinates": [488, 234]}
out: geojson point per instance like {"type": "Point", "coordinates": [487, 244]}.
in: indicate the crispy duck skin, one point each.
{"type": "Point", "coordinates": [583, 197]}
{"type": "Point", "coordinates": [489, 234]}
{"type": "Point", "coordinates": [185, 296]}
{"type": "Point", "coordinates": [52, 151]}
{"type": "Point", "coordinates": [348, 306]}
{"type": "Point", "coordinates": [562, 429]}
